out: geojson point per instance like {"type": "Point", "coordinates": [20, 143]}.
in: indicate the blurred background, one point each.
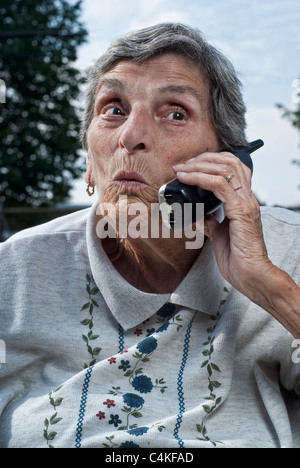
{"type": "Point", "coordinates": [46, 48]}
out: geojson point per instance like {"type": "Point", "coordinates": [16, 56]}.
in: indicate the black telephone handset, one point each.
{"type": "Point", "coordinates": [174, 195]}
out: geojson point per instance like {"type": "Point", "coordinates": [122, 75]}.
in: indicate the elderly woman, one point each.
{"type": "Point", "coordinates": [115, 339]}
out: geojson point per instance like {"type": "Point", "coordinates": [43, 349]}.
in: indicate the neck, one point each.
{"type": "Point", "coordinates": [151, 265]}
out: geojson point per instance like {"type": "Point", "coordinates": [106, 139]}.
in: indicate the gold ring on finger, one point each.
{"type": "Point", "coordinates": [238, 187]}
{"type": "Point", "coordinates": [229, 177]}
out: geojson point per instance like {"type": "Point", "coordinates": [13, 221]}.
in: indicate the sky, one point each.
{"type": "Point", "coordinates": [261, 38]}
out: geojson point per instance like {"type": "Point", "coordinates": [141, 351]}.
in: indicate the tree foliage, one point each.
{"type": "Point", "coordinates": [39, 122]}
{"type": "Point", "coordinates": [293, 115]}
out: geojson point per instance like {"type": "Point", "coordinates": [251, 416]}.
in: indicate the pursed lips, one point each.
{"type": "Point", "coordinates": [129, 178]}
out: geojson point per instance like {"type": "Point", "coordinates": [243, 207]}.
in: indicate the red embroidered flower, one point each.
{"type": "Point", "coordinates": [125, 351]}
{"type": "Point", "coordinates": [138, 332]}
{"type": "Point", "coordinates": [100, 415]}
{"type": "Point", "coordinates": [112, 360]}
{"type": "Point", "coordinates": [109, 403]}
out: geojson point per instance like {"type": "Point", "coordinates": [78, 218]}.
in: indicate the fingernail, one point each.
{"type": "Point", "coordinates": [189, 160]}
{"type": "Point", "coordinates": [180, 173]}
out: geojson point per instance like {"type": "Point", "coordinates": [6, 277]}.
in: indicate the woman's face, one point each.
{"type": "Point", "coordinates": [147, 118]}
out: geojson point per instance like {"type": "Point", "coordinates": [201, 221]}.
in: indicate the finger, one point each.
{"type": "Point", "coordinates": [224, 164]}
{"type": "Point", "coordinates": [216, 184]}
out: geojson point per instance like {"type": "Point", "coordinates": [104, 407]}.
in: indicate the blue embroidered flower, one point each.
{"type": "Point", "coordinates": [166, 310]}
{"type": "Point", "coordinates": [124, 365]}
{"type": "Point", "coordinates": [114, 419]}
{"type": "Point", "coordinates": [132, 400]}
{"type": "Point", "coordinates": [142, 384]}
{"type": "Point", "coordinates": [163, 327]}
{"type": "Point", "coordinates": [129, 445]}
{"type": "Point", "coordinates": [148, 345]}
{"type": "Point", "coordinates": [138, 431]}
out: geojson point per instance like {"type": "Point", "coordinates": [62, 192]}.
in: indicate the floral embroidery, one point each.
{"type": "Point", "coordinates": [166, 317]}
{"type": "Point", "coordinates": [89, 322]}
{"type": "Point", "coordinates": [114, 419]}
{"type": "Point", "coordinates": [147, 346]}
{"type": "Point", "coordinates": [133, 402]}
{"type": "Point", "coordinates": [109, 403]}
{"type": "Point", "coordinates": [211, 368]}
{"type": "Point", "coordinates": [142, 384]}
{"type": "Point", "coordinates": [133, 406]}
{"type": "Point", "coordinates": [127, 444]}
{"type": "Point", "coordinates": [138, 431]}
{"type": "Point", "coordinates": [124, 365]}
{"type": "Point", "coordinates": [100, 415]}
{"type": "Point", "coordinates": [112, 360]}
{"type": "Point", "coordinates": [50, 436]}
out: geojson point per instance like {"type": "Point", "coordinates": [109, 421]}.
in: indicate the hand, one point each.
{"type": "Point", "coordinates": [238, 241]}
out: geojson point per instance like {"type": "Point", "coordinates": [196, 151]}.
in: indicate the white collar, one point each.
{"type": "Point", "coordinates": [201, 289]}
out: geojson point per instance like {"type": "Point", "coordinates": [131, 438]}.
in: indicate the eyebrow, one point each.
{"type": "Point", "coordinates": [118, 86]}
{"type": "Point", "coordinates": [112, 83]}
{"type": "Point", "coordinates": [179, 89]}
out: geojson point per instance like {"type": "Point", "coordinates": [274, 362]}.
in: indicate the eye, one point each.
{"type": "Point", "coordinates": [176, 116]}
{"type": "Point", "coordinates": [113, 111]}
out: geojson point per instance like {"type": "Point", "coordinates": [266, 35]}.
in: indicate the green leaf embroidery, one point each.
{"type": "Point", "coordinates": [211, 368]}
{"type": "Point", "coordinates": [89, 322]}
{"type": "Point", "coordinates": [50, 436]}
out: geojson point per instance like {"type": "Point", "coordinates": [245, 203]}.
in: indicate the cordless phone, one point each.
{"type": "Point", "coordinates": [176, 195]}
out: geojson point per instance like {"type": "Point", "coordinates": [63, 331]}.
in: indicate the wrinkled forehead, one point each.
{"type": "Point", "coordinates": [165, 73]}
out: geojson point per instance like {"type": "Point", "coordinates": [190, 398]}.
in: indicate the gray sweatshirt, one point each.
{"type": "Point", "coordinates": [90, 361]}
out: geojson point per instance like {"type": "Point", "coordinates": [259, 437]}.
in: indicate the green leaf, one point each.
{"type": "Point", "coordinates": [52, 435]}
{"type": "Point", "coordinates": [137, 414]}
{"type": "Point", "coordinates": [206, 408]}
{"type": "Point", "coordinates": [94, 337]}
{"type": "Point", "coordinates": [215, 367]}
{"type": "Point", "coordinates": [126, 409]}
{"type": "Point", "coordinates": [55, 421]}
{"type": "Point", "coordinates": [53, 417]}
{"type": "Point", "coordinates": [96, 351]}
{"type": "Point", "coordinates": [58, 388]}
{"type": "Point", "coordinates": [88, 278]}
{"type": "Point", "coordinates": [85, 338]}
{"type": "Point", "coordinates": [46, 422]}
{"type": "Point", "coordinates": [216, 384]}
{"type": "Point", "coordinates": [58, 402]}
{"type": "Point", "coordinates": [85, 306]}
{"type": "Point", "coordinates": [85, 322]}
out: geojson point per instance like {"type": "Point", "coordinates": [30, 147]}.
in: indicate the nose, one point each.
{"type": "Point", "coordinates": [136, 131]}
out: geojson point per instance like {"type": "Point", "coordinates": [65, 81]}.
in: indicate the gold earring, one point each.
{"type": "Point", "coordinates": [90, 190]}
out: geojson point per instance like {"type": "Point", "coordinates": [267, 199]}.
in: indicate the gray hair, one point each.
{"type": "Point", "coordinates": [226, 107]}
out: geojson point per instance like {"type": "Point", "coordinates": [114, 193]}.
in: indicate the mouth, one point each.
{"type": "Point", "coordinates": [130, 179]}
